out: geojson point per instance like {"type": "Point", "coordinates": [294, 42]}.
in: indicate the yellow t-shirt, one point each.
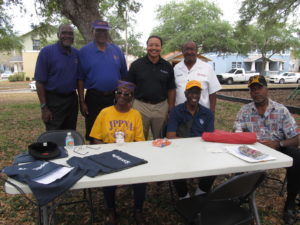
{"type": "Point", "coordinates": [109, 121]}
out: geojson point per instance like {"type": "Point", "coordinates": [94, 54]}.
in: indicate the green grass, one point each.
{"type": "Point", "coordinates": [21, 124]}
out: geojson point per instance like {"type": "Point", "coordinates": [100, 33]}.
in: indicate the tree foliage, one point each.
{"type": "Point", "coordinates": [278, 37]}
{"type": "Point", "coordinates": [8, 39]}
{"type": "Point", "coordinates": [82, 13]}
{"type": "Point", "coordinates": [268, 11]}
{"type": "Point", "coordinates": [196, 20]}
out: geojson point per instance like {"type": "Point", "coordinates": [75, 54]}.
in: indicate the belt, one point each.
{"type": "Point", "coordinates": [153, 102]}
{"type": "Point", "coordinates": [61, 94]}
{"type": "Point", "coordinates": [101, 93]}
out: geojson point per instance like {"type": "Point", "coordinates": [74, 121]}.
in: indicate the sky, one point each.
{"type": "Point", "coordinates": [145, 17]}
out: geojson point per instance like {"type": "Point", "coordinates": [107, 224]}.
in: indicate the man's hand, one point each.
{"type": "Point", "coordinates": [84, 109]}
{"type": "Point", "coordinates": [46, 115]}
{"type": "Point", "coordinates": [271, 144]}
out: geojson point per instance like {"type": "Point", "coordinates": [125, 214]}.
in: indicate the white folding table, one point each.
{"type": "Point", "coordinates": [184, 158]}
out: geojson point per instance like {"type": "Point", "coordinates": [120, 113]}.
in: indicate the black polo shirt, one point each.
{"type": "Point", "coordinates": [152, 80]}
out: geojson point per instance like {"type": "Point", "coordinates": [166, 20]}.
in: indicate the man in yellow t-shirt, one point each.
{"type": "Point", "coordinates": [111, 121]}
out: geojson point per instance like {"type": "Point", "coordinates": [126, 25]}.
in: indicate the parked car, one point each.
{"type": "Point", "coordinates": [286, 77]}
{"type": "Point", "coordinates": [6, 74]}
{"type": "Point", "coordinates": [235, 76]}
{"type": "Point", "coordinates": [32, 85]}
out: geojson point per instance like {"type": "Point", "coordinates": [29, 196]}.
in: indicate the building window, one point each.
{"type": "Point", "coordinates": [36, 45]}
{"type": "Point", "coordinates": [236, 65]}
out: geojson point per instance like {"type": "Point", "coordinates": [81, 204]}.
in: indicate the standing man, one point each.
{"type": "Point", "coordinates": [191, 119]}
{"type": "Point", "coordinates": [102, 65]}
{"type": "Point", "coordinates": [56, 76]}
{"type": "Point", "coordinates": [192, 68]}
{"type": "Point", "coordinates": [155, 87]}
{"type": "Point", "coordinates": [276, 128]}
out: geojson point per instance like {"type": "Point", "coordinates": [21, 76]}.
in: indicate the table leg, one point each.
{"type": "Point", "coordinates": [45, 215]}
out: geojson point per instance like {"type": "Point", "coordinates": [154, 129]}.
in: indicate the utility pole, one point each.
{"type": "Point", "coordinates": [126, 35]}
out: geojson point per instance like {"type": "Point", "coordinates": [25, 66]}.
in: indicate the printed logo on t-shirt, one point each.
{"type": "Point", "coordinates": [125, 161]}
{"type": "Point", "coordinates": [116, 124]}
{"type": "Point", "coordinates": [36, 168]}
{"type": "Point", "coordinates": [41, 166]}
{"type": "Point", "coordinates": [163, 71]}
{"type": "Point", "coordinates": [201, 75]}
{"type": "Point", "coordinates": [116, 58]}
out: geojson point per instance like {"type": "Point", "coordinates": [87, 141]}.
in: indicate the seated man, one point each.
{"type": "Point", "coordinates": [276, 128]}
{"type": "Point", "coordinates": [190, 119]}
{"type": "Point", "coordinates": [112, 121]}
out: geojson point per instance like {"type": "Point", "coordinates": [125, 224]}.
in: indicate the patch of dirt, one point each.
{"type": "Point", "coordinates": [278, 95]}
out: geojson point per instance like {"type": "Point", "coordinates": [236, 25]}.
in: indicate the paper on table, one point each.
{"type": "Point", "coordinates": [234, 150]}
{"type": "Point", "coordinates": [53, 176]}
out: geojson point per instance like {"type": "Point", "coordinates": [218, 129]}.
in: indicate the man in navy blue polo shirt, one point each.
{"type": "Point", "coordinates": [56, 76]}
{"type": "Point", "coordinates": [190, 119]}
{"type": "Point", "coordinates": [102, 65]}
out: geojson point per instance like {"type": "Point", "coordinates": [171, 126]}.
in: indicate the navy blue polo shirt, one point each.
{"type": "Point", "coordinates": [57, 69]}
{"type": "Point", "coordinates": [203, 122]}
{"type": "Point", "coordinates": [152, 80]}
{"type": "Point", "coordinates": [101, 70]}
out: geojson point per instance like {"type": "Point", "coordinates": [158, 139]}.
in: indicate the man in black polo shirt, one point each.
{"type": "Point", "coordinates": [155, 87]}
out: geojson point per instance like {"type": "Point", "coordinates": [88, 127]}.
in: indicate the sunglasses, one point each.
{"type": "Point", "coordinates": [126, 94]}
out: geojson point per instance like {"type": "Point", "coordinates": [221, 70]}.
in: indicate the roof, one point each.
{"type": "Point", "coordinates": [257, 58]}
{"type": "Point", "coordinates": [177, 56]}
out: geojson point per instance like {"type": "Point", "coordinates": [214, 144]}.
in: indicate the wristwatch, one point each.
{"type": "Point", "coordinates": [281, 143]}
{"type": "Point", "coordinates": [43, 105]}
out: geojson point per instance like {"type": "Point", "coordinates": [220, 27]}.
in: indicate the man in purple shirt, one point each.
{"type": "Point", "coordinates": [102, 64]}
{"type": "Point", "coordinates": [56, 76]}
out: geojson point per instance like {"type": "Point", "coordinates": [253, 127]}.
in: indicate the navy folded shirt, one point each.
{"type": "Point", "coordinates": [44, 193]}
{"type": "Point", "coordinates": [106, 162]}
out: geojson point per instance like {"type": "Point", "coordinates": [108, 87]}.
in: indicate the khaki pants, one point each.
{"type": "Point", "coordinates": [154, 116]}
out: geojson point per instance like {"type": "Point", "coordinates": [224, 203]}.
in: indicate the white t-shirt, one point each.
{"type": "Point", "coordinates": [202, 72]}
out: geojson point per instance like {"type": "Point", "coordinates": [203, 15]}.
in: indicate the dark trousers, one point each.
{"type": "Point", "coordinates": [96, 101]}
{"type": "Point", "coordinates": [139, 193]}
{"type": "Point", "coordinates": [204, 183]}
{"type": "Point", "coordinates": [64, 108]}
{"type": "Point", "coordinates": [293, 175]}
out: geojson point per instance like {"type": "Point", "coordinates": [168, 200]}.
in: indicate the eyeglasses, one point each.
{"type": "Point", "coordinates": [126, 94]}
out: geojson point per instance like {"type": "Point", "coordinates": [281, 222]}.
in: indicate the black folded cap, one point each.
{"type": "Point", "coordinates": [43, 150]}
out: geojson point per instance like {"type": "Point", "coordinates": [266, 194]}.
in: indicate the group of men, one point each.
{"type": "Point", "coordinates": [186, 95]}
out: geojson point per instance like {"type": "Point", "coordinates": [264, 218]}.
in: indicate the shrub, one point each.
{"type": "Point", "coordinates": [27, 78]}
{"type": "Point", "coordinates": [17, 77]}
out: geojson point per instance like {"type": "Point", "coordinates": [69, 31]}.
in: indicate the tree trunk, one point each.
{"type": "Point", "coordinates": [263, 64]}
{"type": "Point", "coordinates": [82, 13]}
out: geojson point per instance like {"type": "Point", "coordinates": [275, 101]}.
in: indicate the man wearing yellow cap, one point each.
{"type": "Point", "coordinates": [190, 119]}
{"type": "Point", "coordinates": [276, 128]}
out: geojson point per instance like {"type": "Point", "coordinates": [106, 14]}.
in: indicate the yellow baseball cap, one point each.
{"type": "Point", "coordinates": [193, 83]}
{"type": "Point", "coordinates": [257, 79]}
